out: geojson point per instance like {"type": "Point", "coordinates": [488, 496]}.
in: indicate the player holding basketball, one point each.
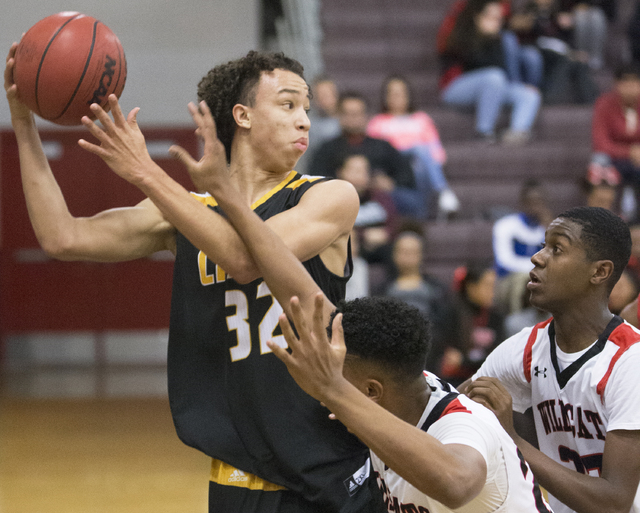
{"type": "Point", "coordinates": [578, 371]}
{"type": "Point", "coordinates": [273, 447]}
{"type": "Point", "coordinates": [458, 457]}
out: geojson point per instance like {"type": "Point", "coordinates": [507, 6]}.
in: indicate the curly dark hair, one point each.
{"type": "Point", "coordinates": [235, 82]}
{"type": "Point", "coordinates": [604, 235]}
{"type": "Point", "coordinates": [386, 331]}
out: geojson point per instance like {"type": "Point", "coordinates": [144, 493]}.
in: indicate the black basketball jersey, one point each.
{"type": "Point", "coordinates": [230, 396]}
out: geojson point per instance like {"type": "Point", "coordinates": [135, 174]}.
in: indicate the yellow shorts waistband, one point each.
{"type": "Point", "coordinates": [226, 475]}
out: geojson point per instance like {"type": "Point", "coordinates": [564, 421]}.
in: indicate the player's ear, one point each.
{"type": "Point", "coordinates": [374, 390]}
{"type": "Point", "coordinates": [242, 115]}
{"type": "Point", "coordinates": [603, 271]}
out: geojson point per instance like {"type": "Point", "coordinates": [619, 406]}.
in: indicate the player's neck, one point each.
{"type": "Point", "coordinates": [252, 181]}
{"type": "Point", "coordinates": [411, 401]}
{"type": "Point", "coordinates": [577, 330]}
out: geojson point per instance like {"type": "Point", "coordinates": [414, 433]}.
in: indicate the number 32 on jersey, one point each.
{"type": "Point", "coordinates": [239, 321]}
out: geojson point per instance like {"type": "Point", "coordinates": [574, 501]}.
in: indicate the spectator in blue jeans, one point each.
{"type": "Point", "coordinates": [475, 74]}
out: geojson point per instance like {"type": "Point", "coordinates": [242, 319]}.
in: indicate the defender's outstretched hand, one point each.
{"type": "Point", "coordinates": [121, 143]}
{"type": "Point", "coordinates": [210, 172]}
{"type": "Point", "coordinates": [491, 393]}
{"type": "Point", "coordinates": [314, 362]}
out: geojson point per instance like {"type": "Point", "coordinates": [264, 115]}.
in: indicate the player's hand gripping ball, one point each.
{"type": "Point", "coordinates": [66, 62]}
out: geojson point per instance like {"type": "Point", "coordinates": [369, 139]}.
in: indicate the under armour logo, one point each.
{"type": "Point", "coordinates": [537, 371]}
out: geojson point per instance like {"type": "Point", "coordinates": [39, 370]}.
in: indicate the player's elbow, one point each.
{"type": "Point", "coordinates": [58, 247]}
{"type": "Point", "coordinates": [243, 271]}
{"type": "Point", "coordinates": [460, 486]}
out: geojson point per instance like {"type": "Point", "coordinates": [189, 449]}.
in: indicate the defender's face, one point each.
{"type": "Point", "coordinates": [279, 121]}
{"type": "Point", "coordinates": [562, 271]}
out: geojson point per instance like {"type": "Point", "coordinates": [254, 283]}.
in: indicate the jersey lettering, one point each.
{"type": "Point", "coordinates": [239, 323]}
{"type": "Point", "coordinates": [270, 321]}
{"type": "Point", "coordinates": [567, 421]}
{"type": "Point", "coordinates": [208, 276]}
{"type": "Point", "coordinates": [584, 464]}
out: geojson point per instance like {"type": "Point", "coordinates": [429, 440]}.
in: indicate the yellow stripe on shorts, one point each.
{"type": "Point", "coordinates": [226, 475]}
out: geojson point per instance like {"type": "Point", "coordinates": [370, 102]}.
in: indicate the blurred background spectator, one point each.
{"type": "Point", "coordinates": [550, 26]}
{"type": "Point", "coordinates": [391, 172]}
{"type": "Point", "coordinates": [516, 238]}
{"type": "Point", "coordinates": [415, 135]}
{"type": "Point", "coordinates": [480, 326]}
{"type": "Point", "coordinates": [474, 74]}
{"type": "Point", "coordinates": [616, 130]}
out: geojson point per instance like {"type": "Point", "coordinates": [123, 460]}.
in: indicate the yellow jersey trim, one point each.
{"type": "Point", "coordinates": [277, 188]}
{"type": "Point", "coordinates": [207, 199]}
{"type": "Point", "coordinates": [226, 475]}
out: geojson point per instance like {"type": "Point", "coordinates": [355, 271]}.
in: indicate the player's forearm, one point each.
{"type": "Point", "coordinates": [206, 229]}
{"type": "Point", "coordinates": [281, 269]}
{"type": "Point", "coordinates": [48, 211]}
{"type": "Point", "coordinates": [416, 456]}
{"type": "Point", "coordinates": [581, 492]}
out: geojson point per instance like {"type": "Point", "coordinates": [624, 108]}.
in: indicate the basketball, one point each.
{"type": "Point", "coordinates": [66, 62]}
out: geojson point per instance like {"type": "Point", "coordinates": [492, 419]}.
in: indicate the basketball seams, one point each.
{"type": "Point", "coordinates": [44, 55]}
{"type": "Point", "coordinates": [84, 71]}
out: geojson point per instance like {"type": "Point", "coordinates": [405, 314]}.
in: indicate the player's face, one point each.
{"type": "Point", "coordinates": [562, 271]}
{"type": "Point", "coordinates": [279, 121]}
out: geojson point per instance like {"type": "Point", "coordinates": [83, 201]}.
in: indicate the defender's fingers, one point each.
{"type": "Point", "coordinates": [280, 352]}
{"type": "Point", "coordinates": [287, 331]}
{"type": "Point", "coordinates": [298, 317]}
{"type": "Point", "coordinates": [178, 152]}
{"type": "Point", "coordinates": [318, 314]}
{"type": "Point", "coordinates": [337, 331]}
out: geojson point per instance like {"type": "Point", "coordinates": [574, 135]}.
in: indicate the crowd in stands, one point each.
{"type": "Point", "coordinates": [495, 55]}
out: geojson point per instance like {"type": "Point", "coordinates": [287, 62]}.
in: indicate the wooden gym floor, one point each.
{"type": "Point", "coordinates": [95, 454]}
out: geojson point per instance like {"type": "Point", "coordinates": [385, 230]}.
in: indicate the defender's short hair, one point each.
{"type": "Point", "coordinates": [386, 331]}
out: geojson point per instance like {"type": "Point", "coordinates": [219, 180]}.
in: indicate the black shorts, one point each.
{"type": "Point", "coordinates": [247, 493]}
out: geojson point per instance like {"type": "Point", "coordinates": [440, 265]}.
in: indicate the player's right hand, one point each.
{"type": "Point", "coordinates": [18, 109]}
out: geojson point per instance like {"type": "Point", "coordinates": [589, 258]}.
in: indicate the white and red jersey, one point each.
{"type": "Point", "coordinates": [452, 418]}
{"type": "Point", "coordinates": [576, 398]}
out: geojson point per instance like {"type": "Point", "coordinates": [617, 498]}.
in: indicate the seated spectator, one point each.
{"type": "Point", "coordinates": [375, 224]}
{"type": "Point", "coordinates": [391, 172]}
{"type": "Point", "coordinates": [480, 326]}
{"type": "Point", "coordinates": [431, 297]}
{"type": "Point", "coordinates": [602, 184]}
{"type": "Point", "coordinates": [633, 33]}
{"type": "Point", "coordinates": [323, 117]}
{"type": "Point", "coordinates": [567, 77]}
{"type": "Point", "coordinates": [590, 26]}
{"type": "Point", "coordinates": [616, 126]}
{"type": "Point", "coordinates": [522, 63]}
{"type": "Point", "coordinates": [415, 135]}
{"type": "Point", "coordinates": [516, 238]}
{"type": "Point", "coordinates": [474, 74]}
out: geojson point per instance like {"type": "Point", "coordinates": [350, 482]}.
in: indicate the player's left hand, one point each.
{"type": "Point", "coordinates": [210, 173]}
{"type": "Point", "coordinates": [315, 363]}
{"type": "Point", "coordinates": [121, 143]}
{"type": "Point", "coordinates": [491, 393]}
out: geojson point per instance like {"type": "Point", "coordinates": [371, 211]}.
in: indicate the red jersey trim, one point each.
{"type": "Point", "coordinates": [528, 349]}
{"type": "Point", "coordinates": [624, 337]}
{"type": "Point", "coordinates": [455, 406]}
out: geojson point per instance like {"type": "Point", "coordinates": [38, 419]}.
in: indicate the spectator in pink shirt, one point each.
{"type": "Point", "coordinates": [413, 133]}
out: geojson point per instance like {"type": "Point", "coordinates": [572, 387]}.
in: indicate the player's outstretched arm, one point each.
{"type": "Point", "coordinates": [304, 228]}
{"type": "Point", "coordinates": [120, 234]}
{"type": "Point", "coordinates": [453, 474]}
{"type": "Point", "coordinates": [613, 491]}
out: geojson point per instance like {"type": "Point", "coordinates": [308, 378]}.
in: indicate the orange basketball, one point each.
{"type": "Point", "coordinates": [66, 62]}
